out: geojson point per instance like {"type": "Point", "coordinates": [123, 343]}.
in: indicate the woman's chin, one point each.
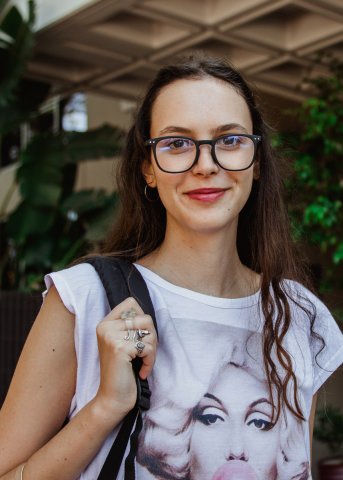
{"type": "Point", "coordinates": [235, 470]}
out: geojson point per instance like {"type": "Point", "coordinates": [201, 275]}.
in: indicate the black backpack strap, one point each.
{"type": "Point", "coordinates": [121, 280]}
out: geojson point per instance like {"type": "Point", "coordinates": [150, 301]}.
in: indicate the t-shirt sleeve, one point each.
{"type": "Point", "coordinates": [59, 280]}
{"type": "Point", "coordinates": [80, 290]}
{"type": "Point", "coordinates": [326, 358]}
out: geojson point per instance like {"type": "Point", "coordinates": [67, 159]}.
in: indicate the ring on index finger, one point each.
{"type": "Point", "coordinates": [139, 347]}
{"type": "Point", "coordinates": [128, 335]}
{"type": "Point", "coordinates": [136, 335]}
{"type": "Point", "coordinates": [127, 314]}
{"type": "Point", "coordinates": [142, 333]}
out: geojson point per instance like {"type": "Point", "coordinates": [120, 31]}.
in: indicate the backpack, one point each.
{"type": "Point", "coordinates": [121, 280]}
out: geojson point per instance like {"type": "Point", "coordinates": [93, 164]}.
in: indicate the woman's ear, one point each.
{"type": "Point", "coordinates": [148, 173]}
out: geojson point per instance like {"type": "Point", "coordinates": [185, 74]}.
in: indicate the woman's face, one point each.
{"type": "Point", "coordinates": [234, 437]}
{"type": "Point", "coordinates": [200, 109]}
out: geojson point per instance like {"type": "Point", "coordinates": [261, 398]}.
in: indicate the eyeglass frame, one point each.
{"type": "Point", "coordinates": [152, 142]}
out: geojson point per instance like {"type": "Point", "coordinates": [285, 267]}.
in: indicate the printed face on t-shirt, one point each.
{"type": "Point", "coordinates": [233, 435]}
{"type": "Point", "coordinates": [216, 422]}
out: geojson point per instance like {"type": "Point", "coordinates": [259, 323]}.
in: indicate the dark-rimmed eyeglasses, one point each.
{"type": "Point", "coordinates": [178, 154]}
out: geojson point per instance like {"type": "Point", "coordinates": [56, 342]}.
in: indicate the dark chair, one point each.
{"type": "Point", "coordinates": [17, 313]}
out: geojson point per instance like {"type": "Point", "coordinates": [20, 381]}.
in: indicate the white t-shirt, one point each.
{"type": "Point", "coordinates": [210, 415]}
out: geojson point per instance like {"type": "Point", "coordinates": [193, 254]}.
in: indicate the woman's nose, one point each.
{"type": "Point", "coordinates": [205, 165]}
{"type": "Point", "coordinates": [236, 449]}
{"type": "Point", "coordinates": [240, 456]}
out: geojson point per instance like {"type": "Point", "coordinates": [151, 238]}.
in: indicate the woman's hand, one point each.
{"type": "Point", "coordinates": [117, 390]}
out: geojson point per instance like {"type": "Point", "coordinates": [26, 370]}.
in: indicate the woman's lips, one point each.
{"type": "Point", "coordinates": [235, 470]}
{"type": "Point", "coordinates": [206, 194]}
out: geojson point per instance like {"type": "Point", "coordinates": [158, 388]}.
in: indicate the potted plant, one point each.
{"type": "Point", "coordinates": [328, 429]}
{"type": "Point", "coordinates": [53, 223]}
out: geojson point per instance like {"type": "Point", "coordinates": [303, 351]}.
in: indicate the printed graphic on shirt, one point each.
{"type": "Point", "coordinates": [215, 421]}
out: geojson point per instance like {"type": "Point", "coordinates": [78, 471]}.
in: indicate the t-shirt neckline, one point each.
{"type": "Point", "coordinates": [222, 302]}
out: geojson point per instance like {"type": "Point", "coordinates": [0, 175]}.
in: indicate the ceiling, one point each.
{"type": "Point", "coordinates": [114, 47]}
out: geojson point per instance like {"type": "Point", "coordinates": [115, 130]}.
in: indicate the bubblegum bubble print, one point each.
{"type": "Point", "coordinates": [235, 470]}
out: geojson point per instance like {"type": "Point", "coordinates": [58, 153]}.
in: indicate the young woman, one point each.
{"type": "Point", "coordinates": [204, 222]}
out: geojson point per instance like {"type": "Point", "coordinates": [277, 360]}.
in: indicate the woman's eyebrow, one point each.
{"type": "Point", "coordinates": [229, 126]}
{"type": "Point", "coordinates": [216, 400]}
{"type": "Point", "coordinates": [259, 401]}
{"type": "Point", "coordinates": [213, 397]}
{"type": "Point", "coordinates": [172, 129]}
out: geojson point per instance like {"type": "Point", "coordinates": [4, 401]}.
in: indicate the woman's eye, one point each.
{"type": "Point", "coordinates": [175, 145]}
{"type": "Point", "coordinates": [210, 415]}
{"type": "Point", "coordinates": [261, 424]}
{"type": "Point", "coordinates": [209, 419]}
{"type": "Point", "coordinates": [230, 141]}
{"type": "Point", "coordinates": [180, 143]}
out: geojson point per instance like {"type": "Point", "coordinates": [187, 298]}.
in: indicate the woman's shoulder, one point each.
{"type": "Point", "coordinates": [302, 295]}
{"type": "Point", "coordinates": [76, 285]}
{"type": "Point", "coordinates": [305, 303]}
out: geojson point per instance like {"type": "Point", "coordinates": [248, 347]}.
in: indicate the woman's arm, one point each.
{"type": "Point", "coordinates": [43, 386]}
{"type": "Point", "coordinates": [39, 400]}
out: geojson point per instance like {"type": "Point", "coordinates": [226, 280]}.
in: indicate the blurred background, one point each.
{"type": "Point", "coordinates": [71, 74]}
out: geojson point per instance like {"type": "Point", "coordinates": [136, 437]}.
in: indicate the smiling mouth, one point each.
{"type": "Point", "coordinates": [206, 194]}
{"type": "Point", "coordinates": [205, 191]}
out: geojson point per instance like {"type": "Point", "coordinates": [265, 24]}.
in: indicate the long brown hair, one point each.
{"type": "Point", "coordinates": [264, 240]}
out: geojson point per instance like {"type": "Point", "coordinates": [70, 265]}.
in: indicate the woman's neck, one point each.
{"type": "Point", "coordinates": [207, 264]}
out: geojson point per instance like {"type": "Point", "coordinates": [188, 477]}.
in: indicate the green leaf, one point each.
{"type": "Point", "coordinates": [328, 427]}
{"type": "Point", "coordinates": [22, 104]}
{"type": "Point", "coordinates": [14, 58]}
{"type": "Point", "coordinates": [36, 172]}
{"type": "Point", "coordinates": [338, 254]}
{"type": "Point", "coordinates": [26, 221]}
{"type": "Point", "coordinates": [41, 194]}
{"type": "Point", "coordinates": [12, 23]}
{"type": "Point", "coordinates": [84, 201]}
{"type": "Point", "coordinates": [98, 224]}
{"type": "Point", "coordinates": [322, 212]}
{"type": "Point", "coordinates": [38, 253]}
{"type": "Point", "coordinates": [74, 250]}
{"type": "Point", "coordinates": [105, 141]}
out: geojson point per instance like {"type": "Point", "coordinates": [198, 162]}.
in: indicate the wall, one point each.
{"type": "Point", "coordinates": [9, 193]}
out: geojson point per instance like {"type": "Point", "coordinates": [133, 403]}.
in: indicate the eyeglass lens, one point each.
{"type": "Point", "coordinates": [233, 152]}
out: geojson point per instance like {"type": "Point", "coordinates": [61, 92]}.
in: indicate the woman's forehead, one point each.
{"type": "Point", "coordinates": [241, 378]}
{"type": "Point", "coordinates": [191, 103]}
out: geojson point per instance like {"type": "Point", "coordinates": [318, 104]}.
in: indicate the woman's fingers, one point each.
{"type": "Point", "coordinates": [128, 305]}
{"type": "Point", "coordinates": [124, 334]}
{"type": "Point", "coordinates": [148, 362]}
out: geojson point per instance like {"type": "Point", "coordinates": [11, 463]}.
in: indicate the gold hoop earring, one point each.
{"type": "Point", "coordinates": [151, 200]}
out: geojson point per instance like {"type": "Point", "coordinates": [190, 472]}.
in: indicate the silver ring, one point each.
{"type": "Point", "coordinates": [142, 333]}
{"type": "Point", "coordinates": [135, 336]}
{"type": "Point", "coordinates": [128, 314]}
{"type": "Point", "coordinates": [139, 347]}
{"type": "Point", "coordinates": [128, 335]}
{"type": "Point", "coordinates": [139, 334]}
